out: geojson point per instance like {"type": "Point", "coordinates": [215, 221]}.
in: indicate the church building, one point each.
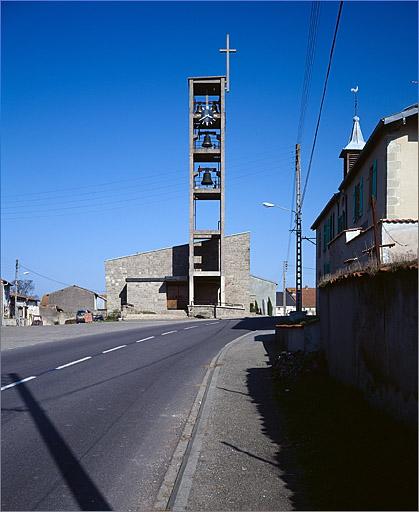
{"type": "Point", "coordinates": [210, 275]}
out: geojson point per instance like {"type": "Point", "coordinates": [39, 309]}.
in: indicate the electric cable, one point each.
{"type": "Point", "coordinates": [322, 100]}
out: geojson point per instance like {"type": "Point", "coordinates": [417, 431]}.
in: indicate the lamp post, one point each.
{"type": "Point", "coordinates": [299, 265]}
{"type": "Point", "coordinates": [17, 319]}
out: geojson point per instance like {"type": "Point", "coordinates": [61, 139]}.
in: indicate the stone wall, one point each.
{"type": "Point", "coordinates": [172, 261]}
{"type": "Point", "coordinates": [148, 296]}
{"type": "Point", "coordinates": [237, 269]}
{"type": "Point", "coordinates": [369, 333]}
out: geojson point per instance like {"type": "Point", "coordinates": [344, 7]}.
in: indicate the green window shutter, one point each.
{"type": "Point", "coordinates": [361, 196]}
{"type": "Point", "coordinates": [324, 236]}
{"type": "Point", "coordinates": [374, 180]}
{"type": "Point", "coordinates": [354, 204]}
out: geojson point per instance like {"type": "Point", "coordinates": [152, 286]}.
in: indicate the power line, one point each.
{"type": "Point", "coordinates": [41, 275]}
{"type": "Point", "coordinates": [322, 100]}
{"type": "Point", "coordinates": [102, 207]}
{"type": "Point", "coordinates": [284, 151]}
{"type": "Point", "coordinates": [311, 46]}
{"type": "Point", "coordinates": [111, 193]}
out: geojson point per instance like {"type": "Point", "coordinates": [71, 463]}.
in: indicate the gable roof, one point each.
{"type": "Point", "coordinates": [309, 296]}
{"type": "Point", "coordinates": [289, 300]}
{"type": "Point", "coordinates": [45, 297]}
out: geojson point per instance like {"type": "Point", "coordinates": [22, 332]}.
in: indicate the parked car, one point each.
{"type": "Point", "coordinates": [98, 318]}
{"type": "Point", "coordinates": [84, 316]}
{"type": "Point", "coordinates": [37, 320]}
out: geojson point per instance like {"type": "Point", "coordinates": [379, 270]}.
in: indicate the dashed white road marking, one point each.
{"type": "Point", "coordinates": [168, 332]}
{"type": "Point", "coordinates": [145, 339]}
{"type": "Point", "coordinates": [18, 382]}
{"type": "Point", "coordinates": [112, 349]}
{"type": "Point", "coordinates": [193, 327]}
{"type": "Point", "coordinates": [73, 362]}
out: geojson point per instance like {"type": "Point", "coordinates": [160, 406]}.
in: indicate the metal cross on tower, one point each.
{"type": "Point", "coordinates": [227, 50]}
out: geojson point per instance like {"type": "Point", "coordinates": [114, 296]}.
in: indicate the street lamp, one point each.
{"type": "Point", "coordinates": [298, 261]}
{"type": "Point", "coordinates": [271, 205]}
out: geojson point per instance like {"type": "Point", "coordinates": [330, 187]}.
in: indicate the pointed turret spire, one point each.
{"type": "Point", "coordinates": [356, 141]}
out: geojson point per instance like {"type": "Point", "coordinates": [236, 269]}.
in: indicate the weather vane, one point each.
{"type": "Point", "coordinates": [355, 91]}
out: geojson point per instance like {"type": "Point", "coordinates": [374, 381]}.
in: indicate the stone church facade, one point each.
{"type": "Point", "coordinates": [157, 281]}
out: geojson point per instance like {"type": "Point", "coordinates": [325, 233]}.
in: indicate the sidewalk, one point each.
{"type": "Point", "coordinates": [233, 462]}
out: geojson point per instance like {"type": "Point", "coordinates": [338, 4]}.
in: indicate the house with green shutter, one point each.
{"type": "Point", "coordinates": [374, 214]}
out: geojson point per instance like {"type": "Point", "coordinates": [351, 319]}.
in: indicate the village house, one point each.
{"type": "Point", "coordinates": [308, 301]}
{"type": "Point", "coordinates": [374, 214]}
{"type": "Point", "coordinates": [71, 299]}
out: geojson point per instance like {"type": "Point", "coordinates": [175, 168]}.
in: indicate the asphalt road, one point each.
{"type": "Point", "coordinates": [95, 425]}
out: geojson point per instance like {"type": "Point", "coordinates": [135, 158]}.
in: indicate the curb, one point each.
{"type": "Point", "coordinates": [173, 479]}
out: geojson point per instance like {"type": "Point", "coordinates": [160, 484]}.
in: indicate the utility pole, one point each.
{"type": "Point", "coordinates": [16, 284]}
{"type": "Point", "coordinates": [298, 234]}
{"type": "Point", "coordinates": [284, 301]}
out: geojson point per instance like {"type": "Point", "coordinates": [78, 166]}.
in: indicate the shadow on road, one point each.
{"type": "Point", "coordinates": [335, 451]}
{"type": "Point", "coordinates": [78, 481]}
{"type": "Point", "coordinates": [257, 323]}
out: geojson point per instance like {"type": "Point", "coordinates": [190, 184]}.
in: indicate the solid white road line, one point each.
{"type": "Point", "coordinates": [168, 332]}
{"type": "Point", "coordinates": [193, 327]}
{"type": "Point", "coordinates": [145, 339]}
{"type": "Point", "coordinates": [73, 362]}
{"type": "Point", "coordinates": [17, 382]}
{"type": "Point", "coordinates": [112, 349]}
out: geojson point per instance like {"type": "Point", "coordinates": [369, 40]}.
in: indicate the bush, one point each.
{"type": "Point", "coordinates": [113, 316]}
{"type": "Point", "coordinates": [270, 309]}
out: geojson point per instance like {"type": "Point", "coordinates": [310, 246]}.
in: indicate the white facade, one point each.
{"type": "Point", "coordinates": [385, 170]}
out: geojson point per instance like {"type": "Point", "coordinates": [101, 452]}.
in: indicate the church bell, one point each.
{"type": "Point", "coordinates": [207, 141]}
{"type": "Point", "coordinates": [206, 178]}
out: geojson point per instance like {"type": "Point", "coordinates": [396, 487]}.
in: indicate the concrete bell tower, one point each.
{"type": "Point", "coordinates": [206, 190]}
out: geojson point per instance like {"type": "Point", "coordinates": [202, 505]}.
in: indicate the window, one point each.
{"type": "Point", "coordinates": [358, 196]}
{"type": "Point", "coordinates": [326, 268]}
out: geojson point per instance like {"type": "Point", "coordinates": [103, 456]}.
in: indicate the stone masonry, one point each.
{"type": "Point", "coordinates": [155, 267]}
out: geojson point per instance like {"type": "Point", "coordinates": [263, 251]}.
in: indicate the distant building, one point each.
{"type": "Point", "coordinates": [73, 298]}
{"type": "Point", "coordinates": [308, 301]}
{"type": "Point", "coordinates": [27, 308]}
{"type": "Point", "coordinates": [377, 201]}
{"type": "Point", "coordinates": [5, 288]}
{"type": "Point", "coordinates": [262, 293]}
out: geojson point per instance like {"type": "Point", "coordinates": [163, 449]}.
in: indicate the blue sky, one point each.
{"type": "Point", "coordinates": [95, 125]}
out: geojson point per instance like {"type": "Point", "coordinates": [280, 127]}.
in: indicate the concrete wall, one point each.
{"type": "Point", "coordinates": [404, 236]}
{"type": "Point", "coordinates": [71, 299]}
{"type": "Point", "coordinates": [369, 333]}
{"type": "Point", "coordinates": [262, 290]}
